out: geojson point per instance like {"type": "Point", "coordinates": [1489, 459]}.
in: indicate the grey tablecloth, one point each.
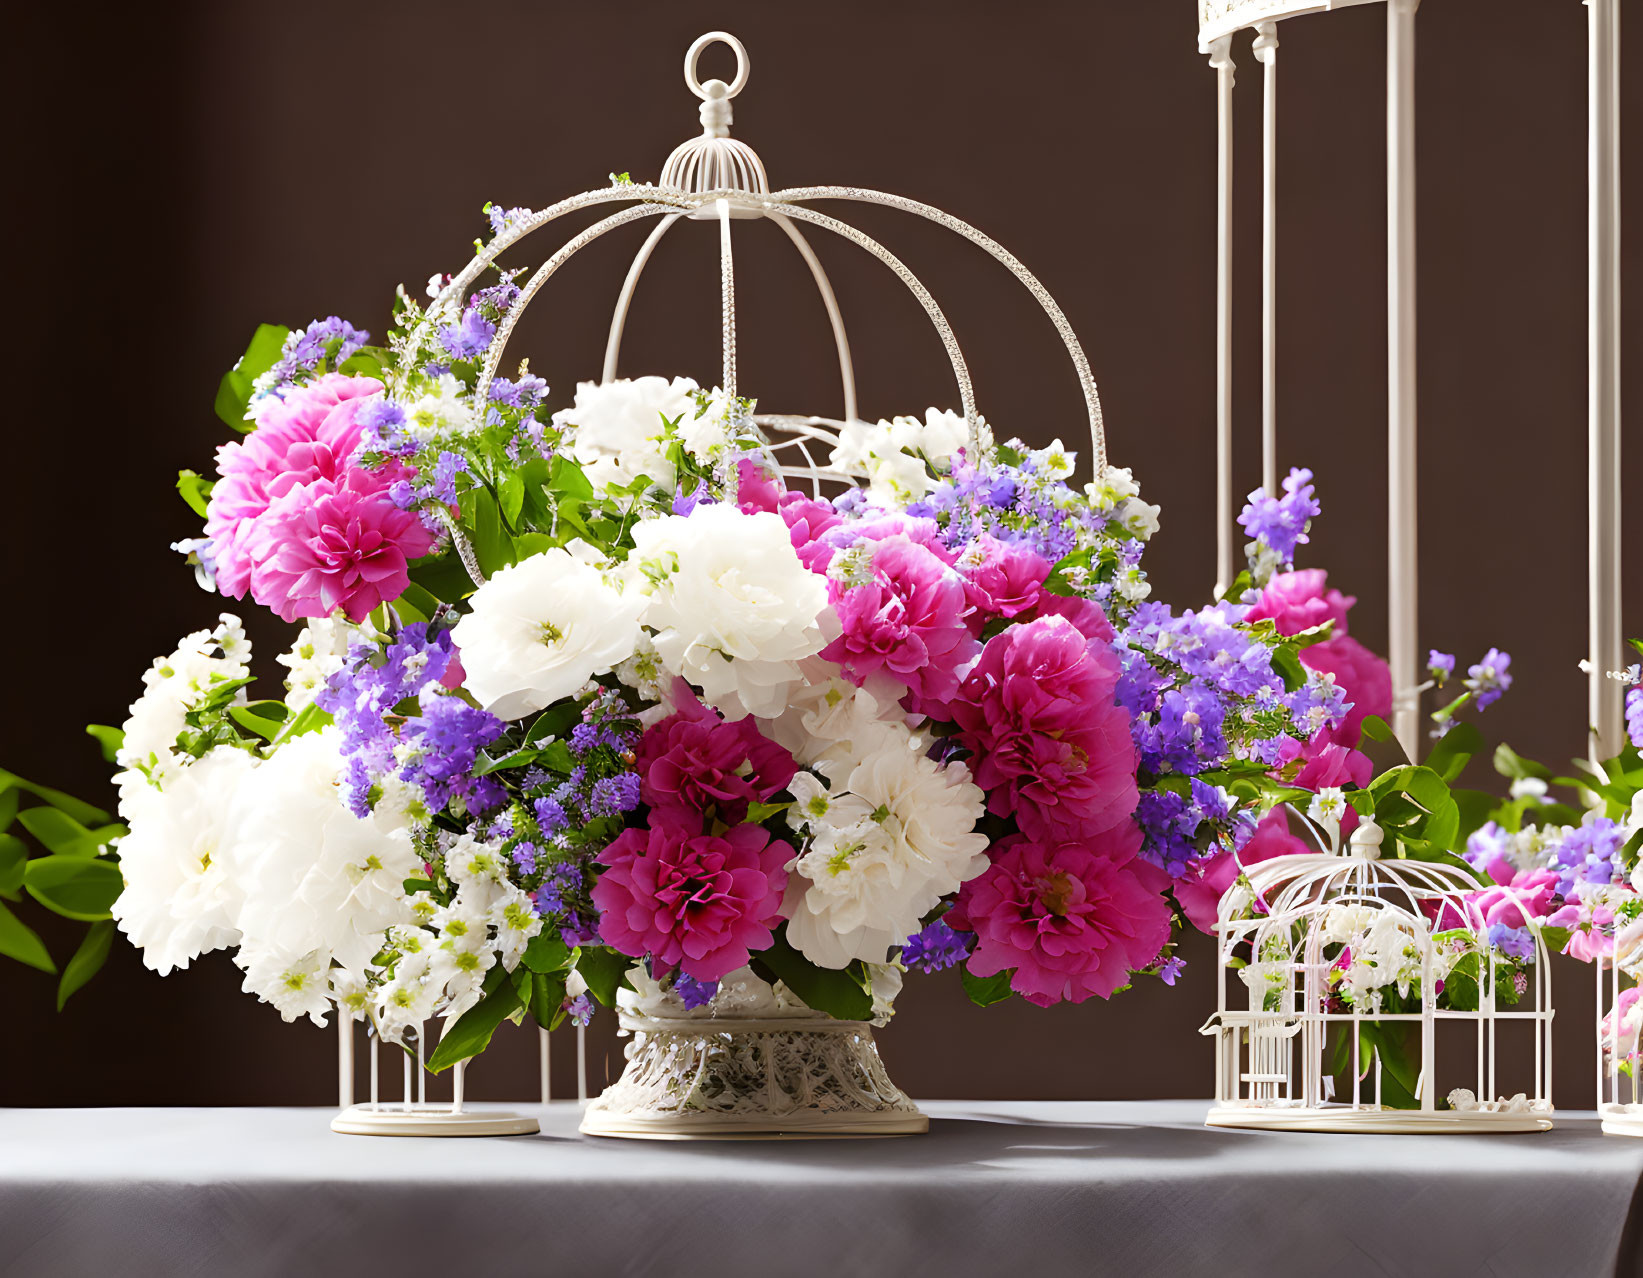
{"type": "Point", "coordinates": [1134, 1189]}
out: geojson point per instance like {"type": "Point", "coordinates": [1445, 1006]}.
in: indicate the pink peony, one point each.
{"type": "Point", "coordinates": [1002, 579]}
{"type": "Point", "coordinates": [1298, 601]}
{"type": "Point", "coordinates": [759, 490]}
{"type": "Point", "coordinates": [701, 902]}
{"type": "Point", "coordinates": [1051, 746]}
{"type": "Point", "coordinates": [1200, 896]}
{"type": "Point", "coordinates": [693, 761]}
{"type": "Point", "coordinates": [908, 621]}
{"type": "Point", "coordinates": [309, 435]}
{"type": "Point", "coordinates": [881, 525]}
{"type": "Point", "coordinates": [1364, 676]}
{"type": "Point", "coordinates": [326, 545]}
{"type": "Point", "coordinates": [1070, 919]}
{"type": "Point", "coordinates": [1091, 622]}
{"type": "Point", "coordinates": [1529, 889]}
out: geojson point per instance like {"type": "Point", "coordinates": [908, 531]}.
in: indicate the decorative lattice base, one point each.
{"type": "Point", "coordinates": [1621, 1120]}
{"type": "Point", "coordinates": [751, 1078]}
{"type": "Point", "coordinates": [431, 1120]}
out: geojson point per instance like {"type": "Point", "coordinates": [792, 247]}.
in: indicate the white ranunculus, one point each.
{"type": "Point", "coordinates": [440, 412]}
{"type": "Point", "coordinates": [182, 897]}
{"type": "Point", "coordinates": [540, 629]}
{"type": "Point", "coordinates": [617, 430]}
{"type": "Point", "coordinates": [898, 834]}
{"type": "Point", "coordinates": [733, 609]}
{"type": "Point", "coordinates": [316, 878]}
{"type": "Point", "coordinates": [896, 456]}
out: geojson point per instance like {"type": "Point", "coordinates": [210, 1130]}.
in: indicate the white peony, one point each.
{"type": "Point", "coordinates": [182, 897]}
{"type": "Point", "coordinates": [316, 878]}
{"type": "Point", "coordinates": [617, 431]}
{"type": "Point", "coordinates": [732, 608]}
{"type": "Point", "coordinates": [895, 833]}
{"type": "Point", "coordinates": [320, 649]}
{"type": "Point", "coordinates": [828, 717]}
{"type": "Point", "coordinates": [538, 630]}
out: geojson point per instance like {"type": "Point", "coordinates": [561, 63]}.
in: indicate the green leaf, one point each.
{"type": "Point", "coordinates": [566, 478]}
{"type": "Point", "coordinates": [19, 941]}
{"type": "Point", "coordinates": [518, 759]}
{"type": "Point", "coordinates": [367, 361]}
{"type": "Point", "coordinates": [1509, 763]}
{"type": "Point", "coordinates": [14, 855]}
{"type": "Point", "coordinates": [986, 990]}
{"type": "Point", "coordinates": [1455, 749]}
{"type": "Point", "coordinates": [418, 601]}
{"type": "Point", "coordinates": [1289, 666]}
{"type": "Point", "coordinates": [265, 718]}
{"type": "Point", "coordinates": [604, 970]}
{"type": "Point", "coordinates": [58, 831]}
{"type": "Point", "coordinates": [758, 813]}
{"type": "Point", "coordinates": [234, 391]}
{"type": "Point", "coordinates": [8, 808]}
{"type": "Point", "coordinates": [555, 721]}
{"type": "Point", "coordinates": [547, 999]}
{"type": "Point", "coordinates": [309, 719]}
{"type": "Point", "coordinates": [81, 811]}
{"type": "Point", "coordinates": [87, 961]}
{"type": "Point", "coordinates": [108, 739]}
{"type": "Point", "coordinates": [841, 994]}
{"type": "Point", "coordinates": [443, 577]}
{"type": "Point", "coordinates": [483, 520]}
{"type": "Point", "coordinates": [546, 953]}
{"type": "Point", "coordinates": [473, 1029]}
{"type": "Point", "coordinates": [195, 490]}
{"type": "Point", "coordinates": [513, 497]}
{"type": "Point", "coordinates": [76, 887]}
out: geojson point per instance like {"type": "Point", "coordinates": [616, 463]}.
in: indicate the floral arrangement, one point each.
{"type": "Point", "coordinates": [590, 696]}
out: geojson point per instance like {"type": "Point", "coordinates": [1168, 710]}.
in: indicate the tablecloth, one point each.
{"type": "Point", "coordinates": [1029, 1188]}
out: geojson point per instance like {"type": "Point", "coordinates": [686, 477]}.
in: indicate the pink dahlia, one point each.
{"type": "Point", "coordinates": [700, 902]}
{"type": "Point", "coordinates": [1051, 746]}
{"type": "Point", "coordinates": [907, 621]}
{"type": "Point", "coordinates": [694, 762]}
{"type": "Point", "coordinates": [1069, 918]}
{"type": "Point", "coordinates": [330, 545]}
{"type": "Point", "coordinates": [1003, 580]}
{"type": "Point", "coordinates": [1087, 617]}
{"type": "Point", "coordinates": [1200, 895]}
{"type": "Point", "coordinates": [310, 434]}
{"type": "Point", "coordinates": [1297, 601]}
{"type": "Point", "coordinates": [1364, 676]}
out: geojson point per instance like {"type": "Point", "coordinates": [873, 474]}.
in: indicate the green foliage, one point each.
{"type": "Point", "coordinates": [108, 739]}
{"type": "Point", "coordinates": [195, 490]}
{"type": "Point", "coordinates": [986, 990]}
{"type": "Point", "coordinates": [473, 1029]}
{"type": "Point", "coordinates": [87, 961]}
{"type": "Point", "coordinates": [604, 970]}
{"type": "Point", "coordinates": [841, 994]}
{"type": "Point", "coordinates": [19, 941]}
{"type": "Point", "coordinates": [234, 391]}
{"type": "Point", "coordinates": [77, 887]}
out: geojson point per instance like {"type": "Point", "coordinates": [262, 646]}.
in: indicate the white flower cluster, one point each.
{"type": "Point", "coordinates": [320, 650]}
{"type": "Point", "coordinates": [887, 830]}
{"type": "Point", "coordinates": [1118, 496]}
{"type": "Point", "coordinates": [618, 431]}
{"type": "Point", "coordinates": [262, 854]}
{"type": "Point", "coordinates": [441, 966]}
{"type": "Point", "coordinates": [723, 595]}
{"type": "Point", "coordinates": [896, 456]}
{"type": "Point", "coordinates": [1385, 953]}
{"type": "Point", "coordinates": [204, 663]}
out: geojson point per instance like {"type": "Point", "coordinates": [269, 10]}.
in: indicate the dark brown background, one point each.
{"type": "Point", "coordinates": [182, 172]}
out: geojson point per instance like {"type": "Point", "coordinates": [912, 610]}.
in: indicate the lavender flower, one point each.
{"type": "Point", "coordinates": [936, 948]}
{"type": "Point", "coordinates": [1440, 665]}
{"type": "Point", "coordinates": [1278, 524]}
{"type": "Point", "coordinates": [470, 337]}
{"type": "Point", "coordinates": [693, 993]}
{"type": "Point", "coordinates": [1634, 713]}
{"type": "Point", "coordinates": [579, 1009]}
{"type": "Point", "coordinates": [1490, 678]}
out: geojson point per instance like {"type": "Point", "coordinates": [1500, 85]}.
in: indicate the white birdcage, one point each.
{"type": "Point", "coordinates": [710, 178]}
{"type": "Point", "coordinates": [1620, 1035]}
{"type": "Point", "coordinates": [1318, 945]}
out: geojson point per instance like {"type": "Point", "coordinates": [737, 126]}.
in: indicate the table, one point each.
{"type": "Point", "coordinates": [1029, 1188]}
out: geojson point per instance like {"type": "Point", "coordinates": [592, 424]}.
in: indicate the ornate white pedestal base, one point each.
{"type": "Point", "coordinates": [1621, 1120]}
{"type": "Point", "coordinates": [431, 1120]}
{"type": "Point", "coordinates": [748, 1078]}
{"type": "Point", "coordinates": [1406, 1122]}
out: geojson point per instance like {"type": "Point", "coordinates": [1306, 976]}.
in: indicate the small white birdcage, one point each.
{"type": "Point", "coordinates": [1619, 1027]}
{"type": "Point", "coordinates": [1339, 957]}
